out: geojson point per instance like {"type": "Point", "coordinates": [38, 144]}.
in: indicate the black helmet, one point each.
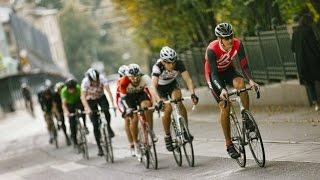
{"type": "Point", "coordinates": [223, 30]}
{"type": "Point", "coordinates": [71, 83]}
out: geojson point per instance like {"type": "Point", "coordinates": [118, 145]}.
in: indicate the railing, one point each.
{"type": "Point", "coordinates": [10, 86]}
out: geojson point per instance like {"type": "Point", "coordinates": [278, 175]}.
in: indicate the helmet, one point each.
{"type": "Point", "coordinates": [48, 83]}
{"type": "Point", "coordinates": [223, 30]}
{"type": "Point", "coordinates": [123, 70]}
{"type": "Point", "coordinates": [24, 85]}
{"type": "Point", "coordinates": [92, 74]}
{"type": "Point", "coordinates": [71, 83]}
{"type": "Point", "coordinates": [58, 86]}
{"type": "Point", "coordinates": [133, 70]}
{"type": "Point", "coordinates": [168, 54]}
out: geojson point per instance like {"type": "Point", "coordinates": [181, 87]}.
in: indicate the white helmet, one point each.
{"type": "Point", "coordinates": [48, 83]}
{"type": "Point", "coordinates": [223, 30]}
{"type": "Point", "coordinates": [133, 70]}
{"type": "Point", "coordinates": [168, 54]}
{"type": "Point", "coordinates": [123, 70]}
{"type": "Point", "coordinates": [92, 74]}
{"type": "Point", "coordinates": [58, 86]}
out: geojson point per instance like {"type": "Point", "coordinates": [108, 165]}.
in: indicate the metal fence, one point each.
{"type": "Point", "coordinates": [269, 55]}
{"type": "Point", "coordinates": [10, 87]}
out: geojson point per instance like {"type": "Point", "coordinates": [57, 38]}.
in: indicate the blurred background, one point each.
{"type": "Point", "coordinates": [62, 38]}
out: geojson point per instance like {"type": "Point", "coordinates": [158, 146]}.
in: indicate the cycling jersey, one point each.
{"type": "Point", "coordinates": [134, 94]}
{"type": "Point", "coordinates": [127, 87]}
{"type": "Point", "coordinates": [71, 98]}
{"type": "Point", "coordinates": [94, 92]}
{"type": "Point", "coordinates": [118, 98]}
{"type": "Point", "coordinates": [165, 76]}
{"type": "Point", "coordinates": [217, 60]}
{"type": "Point", "coordinates": [46, 102]}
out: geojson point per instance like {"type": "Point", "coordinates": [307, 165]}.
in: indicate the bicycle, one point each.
{"type": "Point", "coordinates": [105, 140]}
{"type": "Point", "coordinates": [146, 144]}
{"type": "Point", "coordinates": [180, 134]}
{"type": "Point", "coordinates": [81, 135]}
{"type": "Point", "coordinates": [241, 135]}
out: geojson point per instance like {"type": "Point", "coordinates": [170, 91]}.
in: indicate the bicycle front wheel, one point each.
{"type": "Point", "coordinates": [152, 150]}
{"type": "Point", "coordinates": [238, 140]}
{"type": "Point", "coordinates": [187, 145]}
{"type": "Point", "coordinates": [56, 138]}
{"type": "Point", "coordinates": [255, 140]}
{"type": "Point", "coordinates": [176, 141]}
{"type": "Point", "coordinates": [109, 145]}
{"type": "Point", "coordinates": [144, 153]}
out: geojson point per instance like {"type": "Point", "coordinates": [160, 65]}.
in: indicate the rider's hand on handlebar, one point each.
{"type": "Point", "coordinates": [195, 99]}
{"type": "Point", "coordinates": [254, 85]}
{"type": "Point", "coordinates": [224, 94]}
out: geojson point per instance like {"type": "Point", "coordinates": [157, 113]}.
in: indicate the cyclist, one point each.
{"type": "Point", "coordinates": [59, 113]}
{"type": "Point", "coordinates": [92, 95]}
{"type": "Point", "coordinates": [219, 71]}
{"type": "Point", "coordinates": [164, 84]}
{"type": "Point", "coordinates": [122, 72]}
{"type": "Point", "coordinates": [47, 104]}
{"type": "Point", "coordinates": [134, 91]}
{"type": "Point", "coordinates": [71, 102]}
{"type": "Point", "coordinates": [27, 96]}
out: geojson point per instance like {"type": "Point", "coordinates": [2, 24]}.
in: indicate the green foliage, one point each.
{"type": "Point", "coordinates": [182, 23]}
{"type": "Point", "coordinates": [79, 36]}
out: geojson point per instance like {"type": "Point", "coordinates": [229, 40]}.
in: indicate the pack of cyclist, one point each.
{"type": "Point", "coordinates": [136, 89]}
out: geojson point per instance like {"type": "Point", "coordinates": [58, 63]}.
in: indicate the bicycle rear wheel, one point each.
{"type": "Point", "coordinates": [255, 141]}
{"type": "Point", "coordinates": [152, 150]}
{"type": "Point", "coordinates": [237, 140]}
{"type": "Point", "coordinates": [187, 145]}
{"type": "Point", "coordinates": [177, 154]}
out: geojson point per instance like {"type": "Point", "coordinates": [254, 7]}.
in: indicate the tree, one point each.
{"type": "Point", "coordinates": [79, 34]}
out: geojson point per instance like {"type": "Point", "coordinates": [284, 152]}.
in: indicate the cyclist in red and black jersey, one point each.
{"type": "Point", "coordinates": [220, 71]}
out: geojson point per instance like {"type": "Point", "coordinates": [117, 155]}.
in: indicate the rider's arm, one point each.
{"type": "Point", "coordinates": [214, 80]}
{"type": "Point", "coordinates": [153, 88]}
{"type": "Point", "coordinates": [84, 100]}
{"type": "Point", "coordinates": [186, 77]}
{"type": "Point", "coordinates": [65, 107]}
{"type": "Point", "coordinates": [107, 88]}
{"type": "Point", "coordinates": [244, 63]}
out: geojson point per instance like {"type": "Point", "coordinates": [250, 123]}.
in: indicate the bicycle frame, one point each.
{"type": "Point", "coordinates": [177, 113]}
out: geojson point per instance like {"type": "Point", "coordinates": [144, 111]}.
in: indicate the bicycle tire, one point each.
{"type": "Point", "coordinates": [153, 159]}
{"type": "Point", "coordinates": [143, 149]}
{"type": "Point", "coordinates": [55, 136]}
{"type": "Point", "coordinates": [109, 145]}
{"type": "Point", "coordinates": [260, 160]}
{"type": "Point", "coordinates": [103, 143]}
{"type": "Point", "coordinates": [177, 154]}
{"type": "Point", "coordinates": [189, 155]}
{"type": "Point", "coordinates": [237, 138]}
{"type": "Point", "coordinates": [85, 153]}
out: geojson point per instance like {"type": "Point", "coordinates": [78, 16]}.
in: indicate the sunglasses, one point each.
{"type": "Point", "coordinates": [228, 37]}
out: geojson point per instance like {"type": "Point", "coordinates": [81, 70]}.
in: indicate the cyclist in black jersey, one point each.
{"type": "Point", "coordinates": [164, 84]}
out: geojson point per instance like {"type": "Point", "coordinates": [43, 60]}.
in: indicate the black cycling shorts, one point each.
{"type": "Point", "coordinates": [226, 78]}
{"type": "Point", "coordinates": [166, 90]}
{"type": "Point", "coordinates": [133, 100]}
